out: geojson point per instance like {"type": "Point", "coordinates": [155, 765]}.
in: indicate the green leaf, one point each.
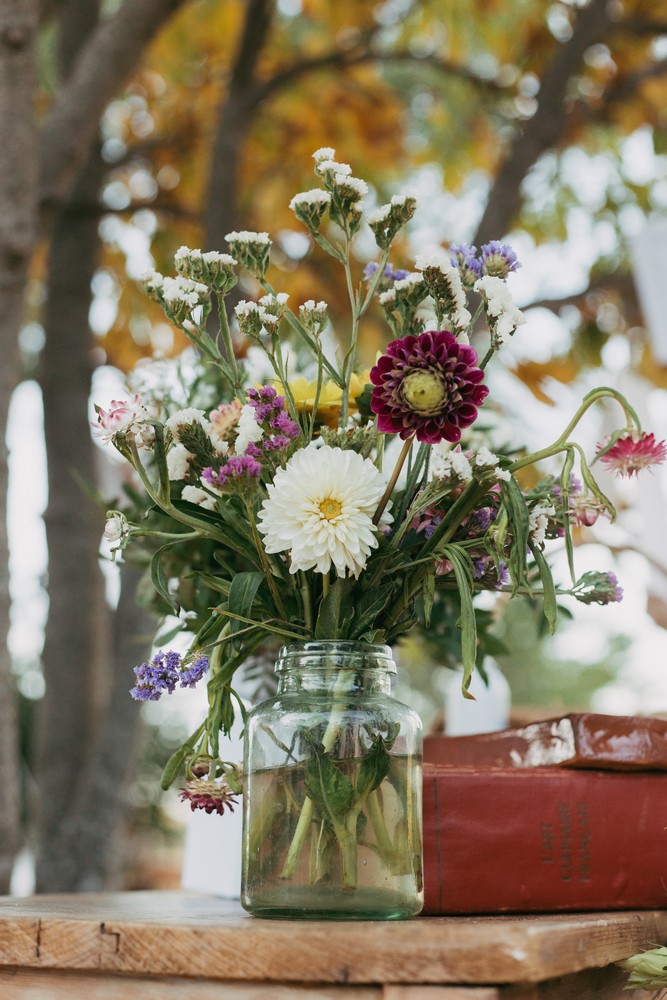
{"type": "Point", "coordinates": [368, 609]}
{"type": "Point", "coordinates": [336, 610]}
{"type": "Point", "coordinates": [172, 767]}
{"type": "Point", "coordinates": [428, 595]}
{"type": "Point", "coordinates": [550, 605]}
{"type": "Point", "coordinates": [374, 767]}
{"type": "Point", "coordinates": [518, 516]}
{"type": "Point", "coordinates": [330, 789]}
{"type": "Point", "coordinates": [242, 593]}
{"type": "Point", "coordinates": [159, 577]}
{"type": "Point", "coordinates": [462, 567]}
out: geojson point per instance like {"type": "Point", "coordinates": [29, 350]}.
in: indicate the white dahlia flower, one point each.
{"type": "Point", "coordinates": [320, 508]}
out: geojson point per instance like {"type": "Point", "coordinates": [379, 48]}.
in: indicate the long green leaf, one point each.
{"type": "Point", "coordinates": [548, 588]}
{"type": "Point", "coordinates": [242, 593]}
{"type": "Point", "coordinates": [462, 567]}
{"type": "Point", "coordinates": [159, 577]}
{"type": "Point", "coordinates": [518, 516]}
{"type": "Point", "coordinates": [336, 611]}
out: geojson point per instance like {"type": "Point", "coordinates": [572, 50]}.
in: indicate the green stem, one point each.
{"type": "Point", "coordinates": [405, 451]}
{"type": "Point", "coordinates": [226, 335]}
{"type": "Point", "coordinates": [277, 600]}
{"type": "Point", "coordinates": [374, 813]}
{"type": "Point", "coordinates": [306, 598]}
{"type": "Point", "coordinates": [200, 527]}
{"type": "Point", "coordinates": [307, 810]}
{"type": "Point", "coordinates": [359, 307]}
{"type": "Point", "coordinates": [561, 443]}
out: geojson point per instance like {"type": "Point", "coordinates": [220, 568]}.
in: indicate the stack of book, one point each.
{"type": "Point", "coordinates": [565, 814]}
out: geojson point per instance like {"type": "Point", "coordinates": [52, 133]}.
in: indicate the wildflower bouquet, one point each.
{"type": "Point", "coordinates": [270, 509]}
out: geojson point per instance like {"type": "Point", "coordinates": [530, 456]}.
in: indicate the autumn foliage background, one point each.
{"type": "Point", "coordinates": [131, 127]}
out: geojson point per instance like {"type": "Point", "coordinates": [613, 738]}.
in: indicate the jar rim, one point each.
{"type": "Point", "coordinates": [354, 648]}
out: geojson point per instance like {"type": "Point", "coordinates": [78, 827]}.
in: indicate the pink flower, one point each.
{"type": "Point", "coordinates": [121, 418]}
{"type": "Point", "coordinates": [632, 453]}
{"type": "Point", "coordinates": [208, 794]}
{"type": "Point", "coordinates": [429, 386]}
{"type": "Point", "coordinates": [224, 417]}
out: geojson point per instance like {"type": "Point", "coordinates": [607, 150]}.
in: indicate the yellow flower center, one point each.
{"type": "Point", "coordinates": [423, 391]}
{"type": "Point", "coordinates": [330, 508]}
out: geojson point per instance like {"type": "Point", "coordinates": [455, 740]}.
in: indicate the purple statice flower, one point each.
{"type": "Point", "coordinates": [277, 443]}
{"type": "Point", "coordinates": [480, 520]}
{"type": "Point", "coordinates": [389, 276]}
{"type": "Point", "coordinates": [503, 574]}
{"type": "Point", "coordinates": [285, 426]}
{"type": "Point", "coordinates": [464, 257]}
{"type": "Point", "coordinates": [239, 466]}
{"type": "Point", "coordinates": [598, 588]}
{"type": "Point", "coordinates": [194, 673]}
{"type": "Point", "coordinates": [498, 259]}
{"type": "Point", "coordinates": [271, 415]}
{"type": "Point", "coordinates": [157, 676]}
{"type": "Point", "coordinates": [576, 486]}
{"type": "Point", "coordinates": [165, 672]}
{"type": "Point", "coordinates": [485, 570]}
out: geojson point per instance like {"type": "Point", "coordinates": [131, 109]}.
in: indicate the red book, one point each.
{"type": "Point", "coordinates": [543, 839]}
{"type": "Point", "coordinates": [585, 739]}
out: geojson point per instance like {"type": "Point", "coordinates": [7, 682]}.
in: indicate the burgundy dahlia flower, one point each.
{"type": "Point", "coordinates": [427, 385]}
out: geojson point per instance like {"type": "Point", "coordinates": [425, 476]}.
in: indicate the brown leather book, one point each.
{"type": "Point", "coordinates": [543, 839]}
{"type": "Point", "coordinates": [581, 740]}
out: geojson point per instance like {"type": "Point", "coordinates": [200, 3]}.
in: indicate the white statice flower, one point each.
{"type": "Point", "coordinates": [434, 257]}
{"type": "Point", "coordinates": [193, 494]}
{"type": "Point", "coordinates": [503, 474]}
{"type": "Point", "coordinates": [343, 169]}
{"type": "Point", "coordinates": [178, 462]}
{"type": "Point", "coordinates": [325, 153]}
{"type": "Point", "coordinates": [246, 236]}
{"type": "Point", "coordinates": [248, 430]}
{"type": "Point", "coordinates": [538, 521]}
{"type": "Point", "coordinates": [410, 281]}
{"type": "Point", "coordinates": [351, 186]}
{"type": "Point", "coordinates": [115, 528]}
{"type": "Point", "coordinates": [444, 280]}
{"type": "Point", "coordinates": [386, 298]}
{"type": "Point", "coordinates": [379, 215]}
{"type": "Point", "coordinates": [485, 457]}
{"type": "Point", "coordinates": [316, 197]}
{"type": "Point", "coordinates": [183, 418]}
{"type": "Point", "coordinates": [320, 508]}
{"type": "Point", "coordinates": [447, 463]}
{"type": "Point", "coordinates": [183, 291]}
{"type": "Point", "coordinates": [504, 316]}
{"type": "Point", "coordinates": [186, 256]}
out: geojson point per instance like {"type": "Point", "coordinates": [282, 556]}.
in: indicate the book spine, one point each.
{"type": "Point", "coordinates": [542, 840]}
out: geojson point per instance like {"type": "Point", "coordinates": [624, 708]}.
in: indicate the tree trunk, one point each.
{"type": "Point", "coordinates": [18, 198]}
{"type": "Point", "coordinates": [77, 608]}
{"type": "Point", "coordinates": [235, 119]}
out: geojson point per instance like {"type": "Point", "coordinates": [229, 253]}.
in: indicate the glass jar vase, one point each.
{"type": "Point", "coordinates": [332, 797]}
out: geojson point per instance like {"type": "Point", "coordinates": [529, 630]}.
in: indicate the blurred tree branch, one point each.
{"type": "Point", "coordinates": [546, 127]}
{"type": "Point", "coordinates": [72, 124]}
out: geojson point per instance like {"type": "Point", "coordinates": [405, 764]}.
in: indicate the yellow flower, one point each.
{"type": "Point", "coordinates": [328, 406]}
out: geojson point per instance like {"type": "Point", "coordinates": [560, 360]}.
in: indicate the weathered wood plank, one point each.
{"type": "Point", "coordinates": [34, 984]}
{"type": "Point", "coordinates": [176, 934]}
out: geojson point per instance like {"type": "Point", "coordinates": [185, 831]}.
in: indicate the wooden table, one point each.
{"type": "Point", "coordinates": [180, 946]}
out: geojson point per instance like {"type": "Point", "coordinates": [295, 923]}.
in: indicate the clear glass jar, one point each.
{"type": "Point", "coordinates": [332, 798]}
